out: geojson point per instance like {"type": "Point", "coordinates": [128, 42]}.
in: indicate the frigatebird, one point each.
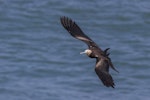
{"type": "Point", "coordinates": [103, 61]}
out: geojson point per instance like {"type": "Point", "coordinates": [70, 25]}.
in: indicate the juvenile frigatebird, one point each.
{"type": "Point", "coordinates": [102, 57]}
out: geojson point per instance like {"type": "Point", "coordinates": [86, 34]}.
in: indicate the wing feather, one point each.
{"type": "Point", "coordinates": [76, 32]}
{"type": "Point", "coordinates": [102, 70]}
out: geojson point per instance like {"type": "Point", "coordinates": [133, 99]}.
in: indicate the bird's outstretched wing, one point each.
{"type": "Point", "coordinates": [102, 70]}
{"type": "Point", "coordinates": [76, 32]}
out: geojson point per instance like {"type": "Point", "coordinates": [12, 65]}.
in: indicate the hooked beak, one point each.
{"type": "Point", "coordinates": [82, 52]}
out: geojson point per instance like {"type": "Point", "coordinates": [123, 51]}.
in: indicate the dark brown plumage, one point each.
{"type": "Point", "coordinates": [102, 57]}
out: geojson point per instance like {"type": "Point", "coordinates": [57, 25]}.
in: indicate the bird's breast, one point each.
{"type": "Point", "coordinates": [92, 55]}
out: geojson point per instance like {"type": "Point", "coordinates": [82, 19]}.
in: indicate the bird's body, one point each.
{"type": "Point", "coordinates": [102, 57]}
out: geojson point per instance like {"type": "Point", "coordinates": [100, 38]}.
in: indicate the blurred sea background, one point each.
{"type": "Point", "coordinates": [39, 60]}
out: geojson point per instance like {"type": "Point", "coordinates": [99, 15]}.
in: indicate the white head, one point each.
{"type": "Point", "coordinates": [87, 51]}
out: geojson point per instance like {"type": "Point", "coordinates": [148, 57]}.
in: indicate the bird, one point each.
{"type": "Point", "coordinates": [103, 61]}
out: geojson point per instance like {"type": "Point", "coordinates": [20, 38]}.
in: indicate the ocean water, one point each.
{"type": "Point", "coordinates": [39, 60]}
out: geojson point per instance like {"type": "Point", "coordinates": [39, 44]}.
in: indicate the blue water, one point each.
{"type": "Point", "coordinates": [39, 60]}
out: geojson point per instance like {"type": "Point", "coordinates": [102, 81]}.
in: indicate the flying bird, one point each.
{"type": "Point", "coordinates": [103, 61]}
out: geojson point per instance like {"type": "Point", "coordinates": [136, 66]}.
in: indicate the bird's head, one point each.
{"type": "Point", "coordinates": [87, 51]}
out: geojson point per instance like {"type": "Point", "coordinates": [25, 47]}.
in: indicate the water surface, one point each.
{"type": "Point", "coordinates": [39, 60]}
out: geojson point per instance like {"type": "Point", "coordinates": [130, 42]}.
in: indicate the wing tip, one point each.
{"type": "Point", "coordinates": [109, 84]}
{"type": "Point", "coordinates": [66, 22]}
{"type": "Point", "coordinates": [106, 78]}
